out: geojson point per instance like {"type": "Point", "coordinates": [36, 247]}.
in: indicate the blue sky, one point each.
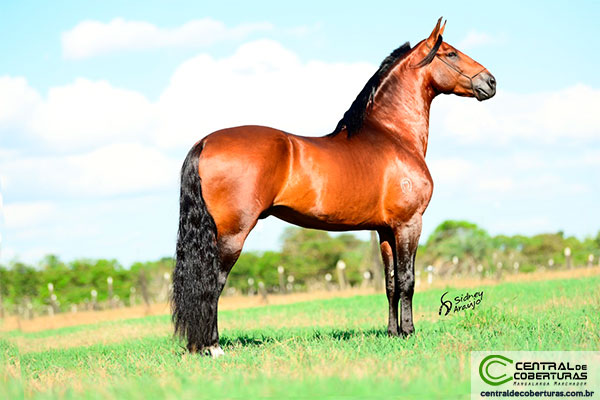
{"type": "Point", "coordinates": [100, 101]}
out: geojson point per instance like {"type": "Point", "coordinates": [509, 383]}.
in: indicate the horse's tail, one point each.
{"type": "Point", "coordinates": [196, 268]}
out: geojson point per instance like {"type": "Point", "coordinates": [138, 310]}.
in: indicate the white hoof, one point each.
{"type": "Point", "coordinates": [215, 351]}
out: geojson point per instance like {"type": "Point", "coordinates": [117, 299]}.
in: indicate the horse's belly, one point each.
{"type": "Point", "coordinates": [338, 221]}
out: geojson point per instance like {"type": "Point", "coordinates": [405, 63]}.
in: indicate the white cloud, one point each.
{"type": "Point", "coordinates": [519, 225]}
{"type": "Point", "coordinates": [131, 227]}
{"type": "Point", "coordinates": [478, 39]}
{"type": "Point", "coordinates": [501, 180]}
{"type": "Point", "coordinates": [567, 114]}
{"type": "Point", "coordinates": [501, 184]}
{"type": "Point", "coordinates": [121, 168]}
{"type": "Point", "coordinates": [92, 38]}
{"type": "Point", "coordinates": [88, 114]}
{"type": "Point", "coordinates": [550, 183]}
{"type": "Point", "coordinates": [7, 254]}
{"type": "Point", "coordinates": [524, 160]}
{"type": "Point", "coordinates": [32, 255]}
{"type": "Point", "coordinates": [507, 177]}
{"type": "Point", "coordinates": [455, 174]}
{"type": "Point", "coordinates": [451, 169]}
{"type": "Point", "coordinates": [261, 83]}
{"type": "Point", "coordinates": [24, 215]}
{"type": "Point", "coordinates": [81, 115]}
{"type": "Point", "coordinates": [6, 154]}
{"type": "Point", "coordinates": [591, 157]}
{"type": "Point", "coordinates": [17, 101]}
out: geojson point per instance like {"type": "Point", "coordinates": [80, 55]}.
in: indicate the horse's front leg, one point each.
{"type": "Point", "coordinates": [407, 241]}
{"type": "Point", "coordinates": [388, 254]}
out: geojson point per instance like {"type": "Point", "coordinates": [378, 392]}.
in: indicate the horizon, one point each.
{"type": "Point", "coordinates": [422, 245]}
{"type": "Point", "coordinates": [99, 93]}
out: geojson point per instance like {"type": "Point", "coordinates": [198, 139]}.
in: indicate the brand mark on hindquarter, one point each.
{"type": "Point", "coordinates": [406, 185]}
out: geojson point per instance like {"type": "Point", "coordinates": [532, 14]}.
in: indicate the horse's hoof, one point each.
{"type": "Point", "coordinates": [393, 332]}
{"type": "Point", "coordinates": [214, 351]}
{"type": "Point", "coordinates": [406, 333]}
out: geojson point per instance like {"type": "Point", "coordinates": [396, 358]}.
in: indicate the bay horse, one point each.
{"type": "Point", "coordinates": [368, 174]}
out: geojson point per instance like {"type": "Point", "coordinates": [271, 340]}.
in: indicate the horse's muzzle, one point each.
{"type": "Point", "coordinates": [484, 86]}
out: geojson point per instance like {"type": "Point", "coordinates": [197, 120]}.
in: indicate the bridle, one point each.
{"type": "Point", "coordinates": [470, 78]}
{"type": "Point", "coordinates": [452, 67]}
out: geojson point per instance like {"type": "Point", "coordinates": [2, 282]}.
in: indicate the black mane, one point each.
{"type": "Point", "coordinates": [354, 117]}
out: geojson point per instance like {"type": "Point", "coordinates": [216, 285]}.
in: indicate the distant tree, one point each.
{"type": "Point", "coordinates": [26, 282]}
{"type": "Point", "coordinates": [5, 281]}
{"type": "Point", "coordinates": [147, 277]}
{"type": "Point", "coordinates": [462, 239]}
{"type": "Point", "coordinates": [539, 248]}
{"type": "Point", "coordinates": [309, 253]}
{"type": "Point", "coordinates": [244, 268]}
{"type": "Point", "coordinates": [265, 268]}
{"type": "Point", "coordinates": [53, 270]}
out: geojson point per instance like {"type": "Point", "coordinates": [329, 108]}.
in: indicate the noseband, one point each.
{"type": "Point", "coordinates": [452, 67]}
{"type": "Point", "coordinates": [470, 78]}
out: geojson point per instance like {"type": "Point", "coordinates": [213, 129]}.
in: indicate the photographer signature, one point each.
{"type": "Point", "coordinates": [462, 302]}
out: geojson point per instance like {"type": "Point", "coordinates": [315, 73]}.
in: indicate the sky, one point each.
{"type": "Point", "coordinates": [100, 102]}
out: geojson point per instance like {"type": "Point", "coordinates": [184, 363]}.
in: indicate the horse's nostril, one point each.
{"type": "Point", "coordinates": [492, 81]}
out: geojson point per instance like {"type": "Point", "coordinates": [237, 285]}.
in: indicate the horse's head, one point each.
{"type": "Point", "coordinates": [452, 71]}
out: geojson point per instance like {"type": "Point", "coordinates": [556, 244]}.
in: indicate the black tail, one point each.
{"type": "Point", "coordinates": [195, 293]}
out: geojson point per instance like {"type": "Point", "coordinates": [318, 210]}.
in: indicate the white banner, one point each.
{"type": "Point", "coordinates": [535, 374]}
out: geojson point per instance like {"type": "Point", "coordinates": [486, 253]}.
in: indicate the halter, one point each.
{"type": "Point", "coordinates": [470, 78]}
{"type": "Point", "coordinates": [452, 67]}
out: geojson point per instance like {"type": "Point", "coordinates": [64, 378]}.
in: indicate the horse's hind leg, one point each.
{"type": "Point", "coordinates": [230, 246]}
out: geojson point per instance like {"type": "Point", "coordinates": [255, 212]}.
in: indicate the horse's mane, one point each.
{"type": "Point", "coordinates": [353, 118]}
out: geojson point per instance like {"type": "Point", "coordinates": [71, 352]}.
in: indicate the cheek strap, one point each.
{"type": "Point", "coordinates": [433, 53]}
{"type": "Point", "coordinates": [470, 78]}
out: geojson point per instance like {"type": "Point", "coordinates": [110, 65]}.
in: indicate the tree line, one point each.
{"type": "Point", "coordinates": [307, 256]}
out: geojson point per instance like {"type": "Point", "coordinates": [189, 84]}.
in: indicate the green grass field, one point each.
{"type": "Point", "coordinates": [319, 349]}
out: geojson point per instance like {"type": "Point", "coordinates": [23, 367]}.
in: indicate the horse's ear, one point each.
{"type": "Point", "coordinates": [434, 34]}
{"type": "Point", "coordinates": [442, 28]}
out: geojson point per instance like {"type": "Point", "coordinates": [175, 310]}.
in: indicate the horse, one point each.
{"type": "Point", "coordinates": [368, 174]}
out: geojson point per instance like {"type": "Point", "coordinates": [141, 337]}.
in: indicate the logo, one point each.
{"type": "Point", "coordinates": [491, 378]}
{"type": "Point", "coordinates": [447, 305]}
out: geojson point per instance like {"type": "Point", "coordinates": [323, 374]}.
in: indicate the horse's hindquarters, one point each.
{"type": "Point", "coordinates": [242, 170]}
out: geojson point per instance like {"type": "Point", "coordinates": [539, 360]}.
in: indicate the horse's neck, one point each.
{"type": "Point", "coordinates": [401, 107]}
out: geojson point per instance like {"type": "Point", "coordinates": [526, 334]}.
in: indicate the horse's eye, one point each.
{"type": "Point", "coordinates": [452, 54]}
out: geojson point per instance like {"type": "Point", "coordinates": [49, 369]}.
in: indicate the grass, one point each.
{"type": "Point", "coordinates": [336, 348]}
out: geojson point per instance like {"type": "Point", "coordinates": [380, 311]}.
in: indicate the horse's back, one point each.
{"type": "Point", "coordinates": [245, 141]}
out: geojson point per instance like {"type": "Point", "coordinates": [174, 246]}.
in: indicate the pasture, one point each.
{"type": "Point", "coordinates": [327, 348]}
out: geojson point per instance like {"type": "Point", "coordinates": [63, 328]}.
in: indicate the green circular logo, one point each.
{"type": "Point", "coordinates": [486, 375]}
